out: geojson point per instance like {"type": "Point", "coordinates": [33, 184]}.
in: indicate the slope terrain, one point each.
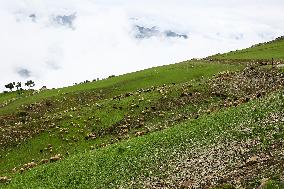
{"type": "Point", "coordinates": [212, 123]}
{"type": "Point", "coordinates": [265, 51]}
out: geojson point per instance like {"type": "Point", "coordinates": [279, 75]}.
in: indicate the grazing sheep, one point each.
{"type": "Point", "coordinates": [91, 136]}
{"type": "Point", "coordinates": [25, 166]}
{"type": "Point", "coordinates": [4, 179]}
{"type": "Point", "coordinates": [140, 133]}
{"type": "Point", "coordinates": [161, 115]}
{"type": "Point", "coordinates": [22, 170]}
{"type": "Point", "coordinates": [55, 158]}
{"type": "Point", "coordinates": [44, 161]}
{"type": "Point", "coordinates": [92, 147]}
{"type": "Point", "coordinates": [31, 165]}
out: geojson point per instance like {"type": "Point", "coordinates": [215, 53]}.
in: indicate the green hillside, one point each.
{"type": "Point", "coordinates": [195, 124]}
{"type": "Point", "coordinates": [267, 51]}
{"type": "Point", "coordinates": [176, 73]}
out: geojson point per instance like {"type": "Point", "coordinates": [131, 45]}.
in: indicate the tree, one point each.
{"type": "Point", "coordinates": [30, 84]}
{"type": "Point", "coordinates": [10, 86]}
{"type": "Point", "coordinates": [18, 85]}
{"type": "Point", "coordinates": [111, 76]}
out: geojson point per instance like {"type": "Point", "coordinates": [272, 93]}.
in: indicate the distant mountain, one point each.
{"type": "Point", "coordinates": [65, 20]}
{"type": "Point", "coordinates": [170, 33]}
{"type": "Point", "coordinates": [62, 20]}
{"type": "Point", "coordinates": [145, 32]}
{"type": "Point", "coordinates": [23, 72]}
{"type": "Point", "coordinates": [32, 17]}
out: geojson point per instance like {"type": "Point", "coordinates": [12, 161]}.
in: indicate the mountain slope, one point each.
{"type": "Point", "coordinates": [175, 73]}
{"type": "Point", "coordinates": [273, 49]}
{"type": "Point", "coordinates": [64, 119]}
{"type": "Point", "coordinates": [202, 124]}
{"type": "Point", "coordinates": [162, 159]}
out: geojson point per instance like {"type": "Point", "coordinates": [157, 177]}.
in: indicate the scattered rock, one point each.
{"type": "Point", "coordinates": [252, 160]}
{"type": "Point", "coordinates": [4, 179]}
{"type": "Point", "coordinates": [187, 184]}
{"type": "Point", "coordinates": [55, 158]}
{"type": "Point", "coordinates": [44, 161]}
{"type": "Point", "coordinates": [91, 136]}
{"type": "Point", "coordinates": [140, 133]}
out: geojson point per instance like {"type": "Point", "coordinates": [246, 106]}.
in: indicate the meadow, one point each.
{"type": "Point", "coordinates": [211, 123]}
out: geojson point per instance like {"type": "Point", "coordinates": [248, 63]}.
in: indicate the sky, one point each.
{"type": "Point", "coordinates": [60, 42]}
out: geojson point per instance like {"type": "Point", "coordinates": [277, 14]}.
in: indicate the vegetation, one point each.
{"type": "Point", "coordinates": [30, 84]}
{"type": "Point", "coordinates": [197, 124]}
{"type": "Point", "coordinates": [10, 86]}
{"type": "Point", "coordinates": [18, 85]}
{"type": "Point", "coordinates": [268, 51]}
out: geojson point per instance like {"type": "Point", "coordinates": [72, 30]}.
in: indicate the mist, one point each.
{"type": "Point", "coordinates": [58, 43]}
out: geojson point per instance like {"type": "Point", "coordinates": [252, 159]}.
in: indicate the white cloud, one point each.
{"type": "Point", "coordinates": [101, 40]}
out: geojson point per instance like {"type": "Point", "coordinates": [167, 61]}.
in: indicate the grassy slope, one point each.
{"type": "Point", "coordinates": [263, 51]}
{"type": "Point", "coordinates": [176, 73]}
{"type": "Point", "coordinates": [24, 153]}
{"type": "Point", "coordinates": [141, 156]}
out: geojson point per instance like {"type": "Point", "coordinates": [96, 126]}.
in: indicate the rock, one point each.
{"type": "Point", "coordinates": [31, 165]}
{"type": "Point", "coordinates": [92, 147]}
{"type": "Point", "coordinates": [140, 133]}
{"type": "Point", "coordinates": [22, 170]}
{"type": "Point", "coordinates": [184, 94]}
{"type": "Point", "coordinates": [128, 94]}
{"type": "Point", "coordinates": [43, 161]}
{"type": "Point", "coordinates": [4, 179]}
{"type": "Point", "coordinates": [55, 158]}
{"type": "Point", "coordinates": [161, 115]}
{"type": "Point", "coordinates": [91, 136]}
{"type": "Point", "coordinates": [187, 184]}
{"type": "Point", "coordinates": [252, 160]}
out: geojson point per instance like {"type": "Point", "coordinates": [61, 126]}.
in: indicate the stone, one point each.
{"type": "Point", "coordinates": [187, 184]}
{"type": "Point", "coordinates": [252, 160]}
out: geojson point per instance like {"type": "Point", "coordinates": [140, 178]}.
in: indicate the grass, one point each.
{"type": "Point", "coordinates": [72, 126]}
{"type": "Point", "coordinates": [176, 73]}
{"type": "Point", "coordinates": [263, 51]}
{"type": "Point", "coordinates": [190, 116]}
{"type": "Point", "coordinates": [119, 164]}
{"type": "Point", "coordinates": [274, 184]}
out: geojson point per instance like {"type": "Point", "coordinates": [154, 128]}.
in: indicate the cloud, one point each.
{"type": "Point", "coordinates": [58, 43]}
